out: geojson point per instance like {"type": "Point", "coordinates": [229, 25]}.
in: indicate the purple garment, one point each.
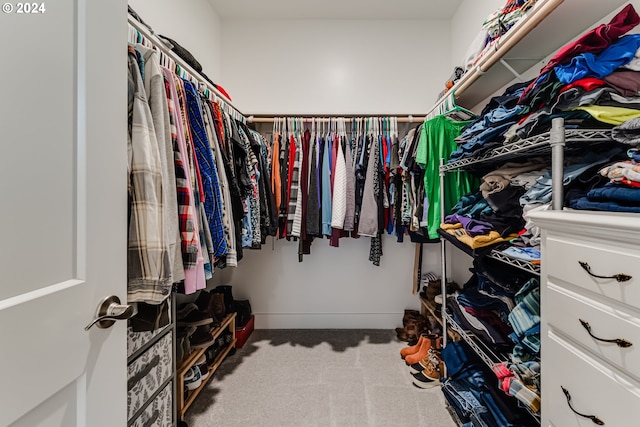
{"type": "Point", "coordinates": [473, 227]}
{"type": "Point", "coordinates": [626, 82]}
{"type": "Point", "coordinates": [320, 144]}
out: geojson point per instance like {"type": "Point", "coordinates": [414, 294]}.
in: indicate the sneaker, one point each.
{"type": "Point", "coordinates": [201, 360]}
{"type": "Point", "coordinates": [190, 315]}
{"type": "Point", "coordinates": [193, 378]}
{"type": "Point", "coordinates": [421, 365]}
{"type": "Point", "coordinates": [432, 374]}
{"type": "Point", "coordinates": [204, 371]}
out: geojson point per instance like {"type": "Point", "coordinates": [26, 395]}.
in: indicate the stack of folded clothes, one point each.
{"type": "Point", "coordinates": [493, 214]}
{"type": "Point", "coordinates": [620, 194]}
{"type": "Point", "coordinates": [500, 305]}
{"type": "Point", "coordinates": [591, 82]}
{"type": "Point", "coordinates": [471, 392]}
{"type": "Point", "coordinates": [487, 131]}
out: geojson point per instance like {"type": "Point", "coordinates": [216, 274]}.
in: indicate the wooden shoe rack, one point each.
{"type": "Point", "coordinates": [183, 400]}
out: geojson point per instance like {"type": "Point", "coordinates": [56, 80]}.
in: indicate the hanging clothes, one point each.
{"type": "Point", "coordinates": [192, 260]}
{"type": "Point", "coordinates": [208, 170]}
{"type": "Point", "coordinates": [368, 222]}
{"type": "Point", "coordinates": [157, 100]}
{"type": "Point", "coordinates": [437, 141]}
{"type": "Point", "coordinates": [148, 263]}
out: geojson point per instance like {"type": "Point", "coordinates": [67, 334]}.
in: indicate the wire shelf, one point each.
{"type": "Point", "coordinates": [488, 356]}
{"type": "Point", "coordinates": [515, 262]}
{"type": "Point", "coordinates": [536, 145]}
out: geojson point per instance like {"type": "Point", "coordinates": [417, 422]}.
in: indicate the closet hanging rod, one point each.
{"type": "Point", "coordinates": [418, 118]}
{"type": "Point", "coordinates": [159, 45]}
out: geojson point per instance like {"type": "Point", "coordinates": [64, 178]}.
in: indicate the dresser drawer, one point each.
{"type": "Point", "coordinates": [565, 309]}
{"type": "Point", "coordinates": [159, 413]}
{"type": "Point", "coordinates": [595, 389]}
{"type": "Point", "coordinates": [147, 373]}
{"type": "Point", "coordinates": [563, 257]}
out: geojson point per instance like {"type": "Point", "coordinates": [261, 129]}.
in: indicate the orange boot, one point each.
{"type": "Point", "coordinates": [436, 346]}
{"type": "Point", "coordinates": [412, 349]}
{"type": "Point", "coordinates": [422, 352]}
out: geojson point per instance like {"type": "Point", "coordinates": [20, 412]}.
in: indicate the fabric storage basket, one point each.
{"type": "Point", "coordinates": [159, 413]}
{"type": "Point", "coordinates": [147, 373]}
{"type": "Point", "coordinates": [137, 340]}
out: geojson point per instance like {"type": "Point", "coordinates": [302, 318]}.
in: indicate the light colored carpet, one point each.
{"type": "Point", "coordinates": [352, 378]}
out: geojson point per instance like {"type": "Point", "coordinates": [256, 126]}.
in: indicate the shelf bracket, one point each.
{"type": "Point", "coordinates": [510, 68]}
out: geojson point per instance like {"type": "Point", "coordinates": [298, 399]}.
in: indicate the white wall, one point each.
{"type": "Point", "coordinates": [332, 67]}
{"type": "Point", "coordinates": [332, 287]}
{"type": "Point", "coordinates": [195, 25]}
{"type": "Point", "coordinates": [466, 24]}
{"type": "Point", "coordinates": [335, 67]}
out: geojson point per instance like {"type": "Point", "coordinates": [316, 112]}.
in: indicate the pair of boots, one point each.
{"type": "Point", "coordinates": [424, 361]}
{"type": "Point", "coordinates": [218, 303]}
{"type": "Point", "coordinates": [414, 324]}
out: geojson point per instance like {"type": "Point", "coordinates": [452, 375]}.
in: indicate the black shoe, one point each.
{"type": "Point", "coordinates": [201, 338]}
{"type": "Point", "coordinates": [190, 315]}
{"type": "Point", "coordinates": [228, 297]}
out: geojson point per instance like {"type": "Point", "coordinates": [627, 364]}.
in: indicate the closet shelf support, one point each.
{"type": "Point", "coordinates": [506, 65]}
{"type": "Point", "coordinates": [557, 142]}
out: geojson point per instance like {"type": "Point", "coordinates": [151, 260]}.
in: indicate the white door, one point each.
{"type": "Point", "coordinates": [63, 211]}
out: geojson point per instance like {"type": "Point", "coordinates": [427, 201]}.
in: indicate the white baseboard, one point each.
{"type": "Point", "coordinates": [327, 320]}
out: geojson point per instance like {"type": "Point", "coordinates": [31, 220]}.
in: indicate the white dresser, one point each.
{"type": "Point", "coordinates": [580, 310]}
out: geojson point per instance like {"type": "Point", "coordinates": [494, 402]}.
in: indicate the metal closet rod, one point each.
{"type": "Point", "coordinates": [157, 43]}
{"type": "Point", "coordinates": [418, 118]}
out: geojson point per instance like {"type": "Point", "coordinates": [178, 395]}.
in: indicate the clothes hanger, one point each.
{"type": "Point", "coordinates": [453, 111]}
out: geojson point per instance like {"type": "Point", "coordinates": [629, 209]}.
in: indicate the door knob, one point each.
{"type": "Point", "coordinates": [110, 310]}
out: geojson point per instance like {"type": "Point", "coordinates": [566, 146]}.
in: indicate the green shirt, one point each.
{"type": "Point", "coordinates": [436, 142]}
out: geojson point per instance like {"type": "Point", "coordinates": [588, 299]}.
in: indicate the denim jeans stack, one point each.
{"type": "Point", "coordinates": [501, 306]}
{"type": "Point", "coordinates": [471, 391]}
{"type": "Point", "coordinates": [622, 194]}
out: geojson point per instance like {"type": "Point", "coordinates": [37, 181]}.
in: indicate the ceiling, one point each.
{"type": "Point", "coordinates": [335, 9]}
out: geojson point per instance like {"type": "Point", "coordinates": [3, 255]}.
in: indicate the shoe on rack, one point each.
{"type": "Point", "coordinates": [201, 338]}
{"type": "Point", "coordinates": [204, 371]}
{"type": "Point", "coordinates": [432, 374]}
{"type": "Point", "coordinates": [227, 291]}
{"type": "Point", "coordinates": [217, 307]}
{"type": "Point", "coordinates": [193, 378]}
{"type": "Point", "coordinates": [190, 315]}
{"type": "Point", "coordinates": [183, 349]}
{"type": "Point", "coordinates": [427, 343]}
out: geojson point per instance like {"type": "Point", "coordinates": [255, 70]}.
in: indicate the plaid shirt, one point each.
{"type": "Point", "coordinates": [186, 208]}
{"type": "Point", "coordinates": [196, 278]}
{"type": "Point", "coordinates": [208, 172]}
{"type": "Point", "coordinates": [148, 264]}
